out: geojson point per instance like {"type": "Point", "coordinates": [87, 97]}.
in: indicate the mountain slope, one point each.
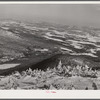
{"type": "Point", "coordinates": [30, 44]}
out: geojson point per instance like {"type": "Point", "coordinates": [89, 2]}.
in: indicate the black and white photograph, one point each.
{"type": "Point", "coordinates": [50, 46]}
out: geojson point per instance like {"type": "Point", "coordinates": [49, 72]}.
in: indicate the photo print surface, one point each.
{"type": "Point", "coordinates": [50, 46]}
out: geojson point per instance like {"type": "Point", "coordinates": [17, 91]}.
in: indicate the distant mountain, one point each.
{"type": "Point", "coordinates": [31, 43]}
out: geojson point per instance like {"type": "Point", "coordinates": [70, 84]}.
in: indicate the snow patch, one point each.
{"type": "Point", "coordinates": [65, 49]}
{"type": "Point", "coordinates": [87, 54]}
{"type": "Point", "coordinates": [6, 66]}
{"type": "Point", "coordinates": [93, 51]}
{"type": "Point", "coordinates": [8, 34]}
{"type": "Point", "coordinates": [5, 28]}
{"type": "Point", "coordinates": [53, 39]}
{"type": "Point", "coordinates": [75, 44]}
{"type": "Point", "coordinates": [42, 50]}
{"type": "Point", "coordinates": [56, 35]}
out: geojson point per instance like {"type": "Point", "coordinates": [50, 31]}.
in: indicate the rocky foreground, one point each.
{"type": "Point", "coordinates": [58, 78]}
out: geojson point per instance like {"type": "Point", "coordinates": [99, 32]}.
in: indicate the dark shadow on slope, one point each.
{"type": "Point", "coordinates": [43, 64]}
{"type": "Point", "coordinates": [52, 61]}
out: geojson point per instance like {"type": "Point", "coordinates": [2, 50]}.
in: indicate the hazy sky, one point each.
{"type": "Point", "coordinates": [76, 14]}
